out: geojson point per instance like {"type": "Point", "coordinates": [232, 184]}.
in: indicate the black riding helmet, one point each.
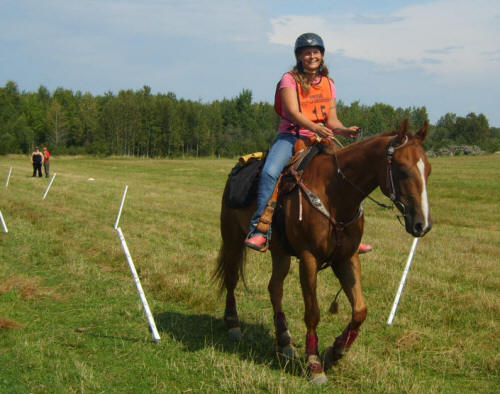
{"type": "Point", "coordinates": [309, 40]}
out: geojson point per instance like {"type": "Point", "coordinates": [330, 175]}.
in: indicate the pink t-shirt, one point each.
{"type": "Point", "coordinates": [288, 81]}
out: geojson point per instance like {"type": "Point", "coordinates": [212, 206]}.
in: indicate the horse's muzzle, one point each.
{"type": "Point", "coordinates": [418, 227]}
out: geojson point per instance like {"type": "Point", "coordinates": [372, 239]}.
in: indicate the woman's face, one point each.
{"type": "Point", "coordinates": [311, 58]}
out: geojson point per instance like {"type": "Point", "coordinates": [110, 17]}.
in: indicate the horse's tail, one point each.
{"type": "Point", "coordinates": [231, 258]}
{"type": "Point", "coordinates": [230, 267]}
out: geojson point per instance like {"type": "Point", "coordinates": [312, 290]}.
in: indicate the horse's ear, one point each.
{"type": "Point", "coordinates": [403, 130]}
{"type": "Point", "coordinates": [422, 133]}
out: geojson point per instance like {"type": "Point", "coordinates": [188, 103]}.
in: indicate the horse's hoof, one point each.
{"type": "Point", "coordinates": [316, 373]}
{"type": "Point", "coordinates": [234, 333]}
{"type": "Point", "coordinates": [289, 352]}
{"type": "Point", "coordinates": [319, 378]}
{"type": "Point", "coordinates": [329, 357]}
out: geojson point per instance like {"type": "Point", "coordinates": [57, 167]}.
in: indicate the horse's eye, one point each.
{"type": "Point", "coordinates": [403, 173]}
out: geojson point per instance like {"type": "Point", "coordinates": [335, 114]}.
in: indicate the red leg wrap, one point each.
{"type": "Point", "coordinates": [282, 335]}
{"type": "Point", "coordinates": [344, 341]}
{"type": "Point", "coordinates": [280, 322]}
{"type": "Point", "coordinates": [230, 314]}
{"type": "Point", "coordinates": [311, 344]}
{"type": "Point", "coordinates": [230, 304]}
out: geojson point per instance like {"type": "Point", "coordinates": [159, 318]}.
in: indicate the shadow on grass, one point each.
{"type": "Point", "coordinates": [198, 331]}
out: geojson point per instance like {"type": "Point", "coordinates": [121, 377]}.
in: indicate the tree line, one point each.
{"type": "Point", "coordinates": [139, 123]}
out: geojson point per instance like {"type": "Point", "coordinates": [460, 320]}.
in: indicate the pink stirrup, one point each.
{"type": "Point", "coordinates": [364, 248]}
{"type": "Point", "coordinates": [257, 242]}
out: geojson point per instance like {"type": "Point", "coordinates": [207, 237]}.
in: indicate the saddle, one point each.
{"type": "Point", "coordinates": [241, 187]}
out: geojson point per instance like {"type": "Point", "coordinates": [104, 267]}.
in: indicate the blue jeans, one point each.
{"type": "Point", "coordinates": [279, 155]}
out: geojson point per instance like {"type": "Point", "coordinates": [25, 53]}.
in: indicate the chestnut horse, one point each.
{"type": "Point", "coordinates": [395, 162]}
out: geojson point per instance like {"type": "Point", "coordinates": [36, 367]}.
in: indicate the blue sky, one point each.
{"type": "Point", "coordinates": [442, 54]}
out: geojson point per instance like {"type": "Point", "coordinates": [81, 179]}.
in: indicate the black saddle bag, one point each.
{"type": "Point", "coordinates": [242, 184]}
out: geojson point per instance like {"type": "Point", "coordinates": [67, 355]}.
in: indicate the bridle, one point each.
{"type": "Point", "coordinates": [391, 148]}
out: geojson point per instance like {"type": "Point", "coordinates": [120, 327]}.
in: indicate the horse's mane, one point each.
{"type": "Point", "coordinates": [386, 133]}
{"type": "Point", "coordinates": [357, 144]}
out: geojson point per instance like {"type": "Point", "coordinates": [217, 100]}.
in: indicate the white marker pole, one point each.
{"type": "Point", "coordinates": [151, 321]}
{"type": "Point", "coordinates": [48, 186]}
{"type": "Point", "coordinates": [121, 207]}
{"type": "Point", "coordinates": [3, 223]}
{"type": "Point", "coordinates": [402, 283]}
{"type": "Point", "coordinates": [8, 177]}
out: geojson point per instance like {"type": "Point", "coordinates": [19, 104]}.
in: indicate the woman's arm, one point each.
{"type": "Point", "coordinates": [333, 122]}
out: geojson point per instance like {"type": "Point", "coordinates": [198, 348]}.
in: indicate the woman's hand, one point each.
{"type": "Point", "coordinates": [356, 130]}
{"type": "Point", "coordinates": [322, 131]}
{"type": "Point", "coordinates": [352, 131]}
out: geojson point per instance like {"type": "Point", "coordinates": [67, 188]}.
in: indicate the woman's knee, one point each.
{"type": "Point", "coordinates": [272, 172]}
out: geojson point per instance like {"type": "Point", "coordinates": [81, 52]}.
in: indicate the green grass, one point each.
{"type": "Point", "coordinates": [65, 280]}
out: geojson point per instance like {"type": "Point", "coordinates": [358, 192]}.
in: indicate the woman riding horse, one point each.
{"type": "Point", "coordinates": [306, 101]}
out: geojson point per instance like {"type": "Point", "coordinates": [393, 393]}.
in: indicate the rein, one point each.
{"type": "Point", "coordinates": [339, 226]}
{"type": "Point", "coordinates": [389, 179]}
{"type": "Point", "coordinates": [357, 188]}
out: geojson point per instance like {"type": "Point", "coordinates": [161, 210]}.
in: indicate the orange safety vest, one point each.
{"type": "Point", "coordinates": [314, 105]}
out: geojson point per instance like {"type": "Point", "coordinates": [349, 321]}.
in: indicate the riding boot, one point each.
{"type": "Point", "coordinates": [258, 239]}
{"type": "Point", "coordinates": [265, 220]}
{"type": "Point", "coordinates": [364, 248]}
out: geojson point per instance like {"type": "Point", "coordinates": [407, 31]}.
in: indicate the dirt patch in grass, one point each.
{"type": "Point", "coordinates": [28, 288]}
{"type": "Point", "coordinates": [179, 288]}
{"type": "Point", "coordinates": [5, 323]}
{"type": "Point", "coordinates": [409, 339]}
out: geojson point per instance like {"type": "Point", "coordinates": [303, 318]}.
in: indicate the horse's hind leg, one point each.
{"type": "Point", "coordinates": [349, 275]}
{"type": "Point", "coordinates": [230, 263]}
{"type": "Point", "coordinates": [230, 266]}
{"type": "Point", "coordinates": [281, 267]}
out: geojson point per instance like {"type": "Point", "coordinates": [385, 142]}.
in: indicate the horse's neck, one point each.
{"type": "Point", "coordinates": [361, 164]}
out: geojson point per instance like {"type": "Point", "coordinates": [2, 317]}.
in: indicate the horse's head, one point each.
{"type": "Point", "coordinates": [406, 179]}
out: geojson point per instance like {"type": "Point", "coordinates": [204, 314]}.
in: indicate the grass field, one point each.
{"type": "Point", "coordinates": [80, 327]}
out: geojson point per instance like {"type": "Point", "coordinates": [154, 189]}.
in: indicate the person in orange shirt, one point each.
{"type": "Point", "coordinates": [46, 162]}
{"type": "Point", "coordinates": [306, 101]}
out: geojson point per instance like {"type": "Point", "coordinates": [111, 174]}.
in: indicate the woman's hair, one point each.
{"type": "Point", "coordinates": [302, 77]}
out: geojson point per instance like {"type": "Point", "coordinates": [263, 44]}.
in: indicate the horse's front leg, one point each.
{"type": "Point", "coordinates": [308, 281]}
{"type": "Point", "coordinates": [349, 275]}
{"type": "Point", "coordinates": [281, 267]}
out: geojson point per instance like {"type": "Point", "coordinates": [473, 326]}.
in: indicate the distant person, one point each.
{"type": "Point", "coordinates": [37, 160]}
{"type": "Point", "coordinates": [46, 162]}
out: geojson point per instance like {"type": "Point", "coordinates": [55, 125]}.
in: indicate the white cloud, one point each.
{"type": "Point", "coordinates": [450, 38]}
{"type": "Point", "coordinates": [71, 24]}
{"type": "Point", "coordinates": [213, 20]}
{"type": "Point", "coordinates": [122, 40]}
{"type": "Point", "coordinates": [444, 54]}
